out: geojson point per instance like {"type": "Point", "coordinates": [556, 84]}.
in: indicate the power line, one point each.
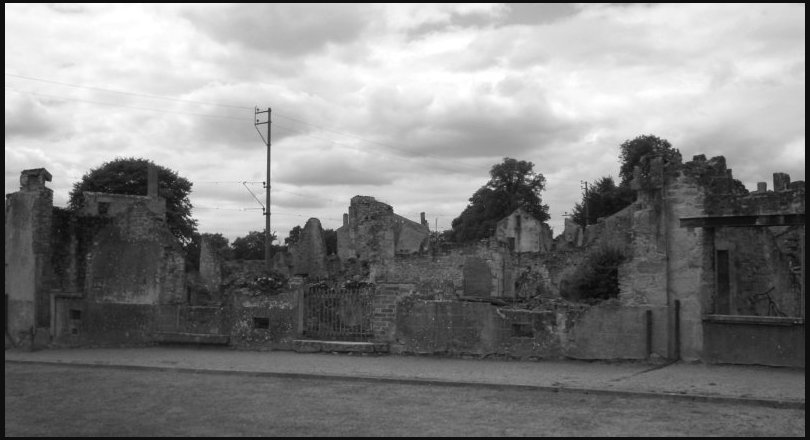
{"type": "Point", "coordinates": [403, 151]}
{"type": "Point", "coordinates": [87, 101]}
{"type": "Point", "coordinates": [121, 92]}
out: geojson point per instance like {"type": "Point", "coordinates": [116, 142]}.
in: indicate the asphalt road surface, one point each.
{"type": "Point", "coordinates": [56, 400]}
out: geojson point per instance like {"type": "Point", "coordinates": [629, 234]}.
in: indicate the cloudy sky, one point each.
{"type": "Point", "coordinates": [411, 104]}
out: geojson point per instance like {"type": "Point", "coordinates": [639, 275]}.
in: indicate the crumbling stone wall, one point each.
{"type": "Point", "coordinates": [135, 259]}
{"type": "Point", "coordinates": [266, 321]}
{"type": "Point", "coordinates": [524, 233]}
{"type": "Point", "coordinates": [210, 266]}
{"type": "Point", "coordinates": [372, 232]}
{"type": "Point", "coordinates": [764, 283]}
{"type": "Point", "coordinates": [452, 272]}
{"type": "Point", "coordinates": [460, 328]}
{"type": "Point", "coordinates": [309, 253]}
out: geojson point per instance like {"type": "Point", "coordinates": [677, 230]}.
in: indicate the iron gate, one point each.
{"type": "Point", "coordinates": [338, 314]}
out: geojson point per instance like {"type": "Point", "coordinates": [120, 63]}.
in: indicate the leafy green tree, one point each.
{"type": "Point", "coordinates": [294, 236]}
{"type": "Point", "coordinates": [596, 279]}
{"type": "Point", "coordinates": [631, 152]}
{"type": "Point", "coordinates": [604, 198]}
{"type": "Point", "coordinates": [513, 184]}
{"type": "Point", "coordinates": [129, 176]}
{"type": "Point", "coordinates": [251, 246]}
{"type": "Point", "coordinates": [331, 241]}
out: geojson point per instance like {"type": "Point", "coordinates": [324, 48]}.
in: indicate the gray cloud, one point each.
{"type": "Point", "coordinates": [285, 29]}
{"type": "Point", "coordinates": [26, 117]}
{"type": "Point", "coordinates": [538, 13]}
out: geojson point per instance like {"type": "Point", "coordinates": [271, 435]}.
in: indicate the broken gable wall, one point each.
{"type": "Point", "coordinates": [371, 231]}
{"type": "Point", "coordinates": [528, 233]}
{"type": "Point", "coordinates": [409, 237]}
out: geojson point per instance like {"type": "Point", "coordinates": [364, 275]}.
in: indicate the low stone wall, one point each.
{"type": "Point", "coordinates": [616, 332]}
{"type": "Point", "coordinates": [482, 329]}
{"type": "Point", "coordinates": [266, 322]}
{"type": "Point", "coordinates": [82, 323]}
{"type": "Point", "coordinates": [756, 340]}
{"type": "Point", "coordinates": [478, 328]}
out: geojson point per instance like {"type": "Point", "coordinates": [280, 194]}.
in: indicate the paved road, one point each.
{"type": "Point", "coordinates": [780, 387]}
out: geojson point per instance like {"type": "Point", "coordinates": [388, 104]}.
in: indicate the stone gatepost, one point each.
{"type": "Point", "coordinates": [29, 214]}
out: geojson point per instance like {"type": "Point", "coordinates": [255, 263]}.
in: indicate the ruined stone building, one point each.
{"type": "Point", "coordinates": [98, 275]}
{"type": "Point", "coordinates": [708, 271]}
{"type": "Point", "coordinates": [523, 232]}
{"type": "Point", "coordinates": [371, 231]}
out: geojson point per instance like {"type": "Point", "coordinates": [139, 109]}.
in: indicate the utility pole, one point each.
{"type": "Point", "coordinates": [585, 200]}
{"type": "Point", "coordinates": [268, 236]}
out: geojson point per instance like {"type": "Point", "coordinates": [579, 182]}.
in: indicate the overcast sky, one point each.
{"type": "Point", "coordinates": [411, 104]}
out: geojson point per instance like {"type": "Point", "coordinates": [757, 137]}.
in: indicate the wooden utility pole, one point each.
{"type": "Point", "coordinates": [268, 235]}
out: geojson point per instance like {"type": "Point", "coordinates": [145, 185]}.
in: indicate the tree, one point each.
{"type": "Point", "coordinates": [251, 246]}
{"type": "Point", "coordinates": [631, 152]}
{"type": "Point", "coordinates": [513, 184]}
{"type": "Point", "coordinates": [596, 278]}
{"type": "Point", "coordinates": [294, 236]}
{"type": "Point", "coordinates": [603, 199]}
{"type": "Point", "coordinates": [331, 241]}
{"type": "Point", "coordinates": [129, 176]}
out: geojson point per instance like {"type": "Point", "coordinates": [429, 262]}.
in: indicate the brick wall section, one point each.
{"type": "Point", "coordinates": [384, 309]}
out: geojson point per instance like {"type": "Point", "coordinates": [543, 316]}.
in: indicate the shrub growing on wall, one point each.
{"type": "Point", "coordinates": [596, 279]}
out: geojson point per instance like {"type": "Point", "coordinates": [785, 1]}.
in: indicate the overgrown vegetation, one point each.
{"type": "Point", "coordinates": [604, 197]}
{"type": "Point", "coordinates": [596, 279]}
{"type": "Point", "coordinates": [129, 176]}
{"type": "Point", "coordinates": [251, 246]}
{"type": "Point", "coordinates": [513, 184]}
{"type": "Point", "coordinates": [330, 235]}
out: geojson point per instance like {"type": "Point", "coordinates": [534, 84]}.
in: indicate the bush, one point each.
{"type": "Point", "coordinates": [596, 279]}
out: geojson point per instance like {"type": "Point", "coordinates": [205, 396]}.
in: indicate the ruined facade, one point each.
{"type": "Point", "coordinates": [99, 274]}
{"type": "Point", "coordinates": [523, 232]}
{"type": "Point", "coordinates": [708, 272]}
{"type": "Point", "coordinates": [371, 231]}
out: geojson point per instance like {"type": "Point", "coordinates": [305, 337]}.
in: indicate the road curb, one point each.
{"type": "Point", "coordinates": [772, 403]}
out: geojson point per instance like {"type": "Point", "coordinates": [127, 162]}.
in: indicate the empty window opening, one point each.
{"type": "Point", "coordinates": [261, 323]}
{"type": "Point", "coordinates": [75, 314]}
{"type": "Point", "coordinates": [722, 283]}
{"type": "Point", "coordinates": [103, 208]}
{"type": "Point", "coordinates": [74, 331]}
{"type": "Point", "coordinates": [522, 330]}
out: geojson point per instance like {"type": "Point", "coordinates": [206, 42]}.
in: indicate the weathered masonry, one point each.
{"type": "Point", "coordinates": [705, 271]}
{"type": "Point", "coordinates": [111, 273]}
